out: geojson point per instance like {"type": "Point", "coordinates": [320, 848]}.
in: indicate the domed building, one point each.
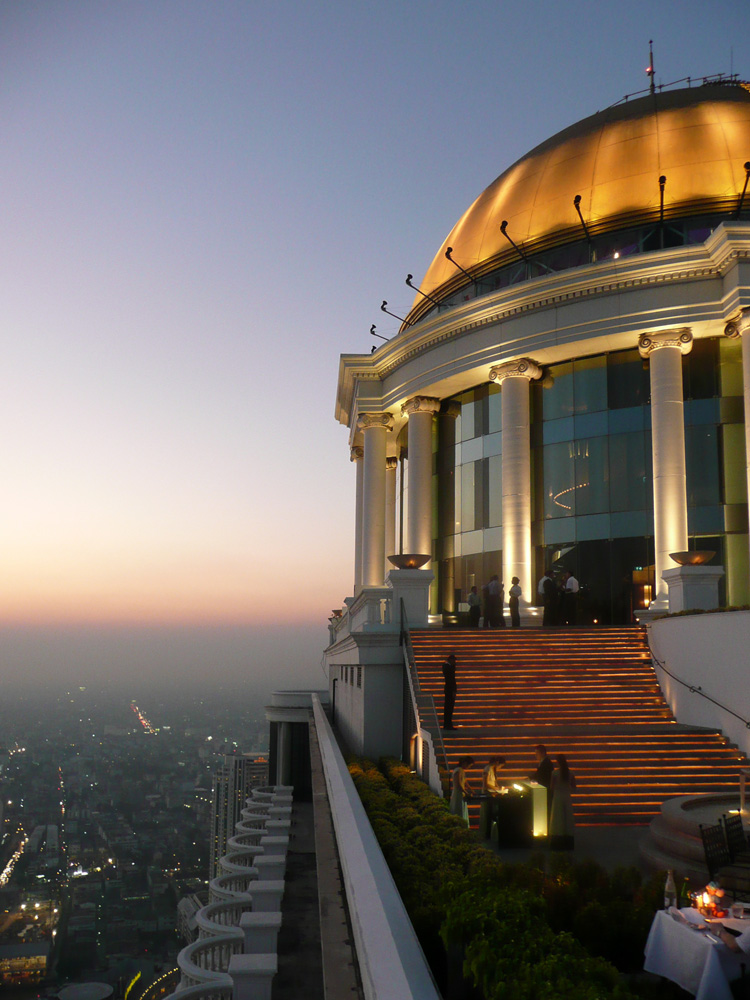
{"type": "Point", "coordinates": [568, 390]}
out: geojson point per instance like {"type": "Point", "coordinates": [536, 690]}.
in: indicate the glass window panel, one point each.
{"type": "Point", "coordinates": [457, 498]}
{"type": "Point", "coordinates": [495, 476]}
{"type": "Point", "coordinates": [699, 370]}
{"type": "Point", "coordinates": [493, 445]}
{"type": "Point", "coordinates": [590, 385]}
{"type": "Point", "coordinates": [559, 531]}
{"type": "Point", "coordinates": [627, 380]}
{"type": "Point", "coordinates": [702, 466]}
{"type": "Point", "coordinates": [595, 526]}
{"type": "Point", "coordinates": [629, 472]}
{"type": "Point", "coordinates": [590, 425]}
{"type": "Point", "coordinates": [559, 480]}
{"type": "Point", "coordinates": [705, 521]}
{"type": "Point", "coordinates": [630, 418]}
{"type": "Point", "coordinates": [730, 367]}
{"type": "Point", "coordinates": [733, 454]}
{"type": "Point", "coordinates": [591, 476]}
{"type": "Point", "coordinates": [467, 421]}
{"type": "Point", "coordinates": [557, 400]}
{"type": "Point", "coordinates": [494, 409]}
{"type": "Point", "coordinates": [702, 411]}
{"type": "Point", "coordinates": [471, 450]}
{"type": "Point", "coordinates": [558, 430]}
{"type": "Point", "coordinates": [631, 523]}
{"type": "Point", "coordinates": [467, 497]}
{"type": "Point", "coordinates": [479, 493]}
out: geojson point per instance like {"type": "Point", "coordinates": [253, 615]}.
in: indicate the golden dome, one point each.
{"type": "Point", "coordinates": [698, 138]}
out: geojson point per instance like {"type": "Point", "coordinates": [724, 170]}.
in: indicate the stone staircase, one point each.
{"type": "Point", "coordinates": [591, 694]}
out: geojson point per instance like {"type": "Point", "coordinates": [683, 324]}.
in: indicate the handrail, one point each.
{"type": "Point", "coordinates": [697, 689]}
{"type": "Point", "coordinates": [433, 726]}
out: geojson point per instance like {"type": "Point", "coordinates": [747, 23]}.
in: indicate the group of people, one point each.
{"type": "Point", "coordinates": [559, 595]}
{"type": "Point", "coordinates": [560, 598]}
{"type": "Point", "coordinates": [494, 602]}
{"type": "Point", "coordinates": [557, 778]}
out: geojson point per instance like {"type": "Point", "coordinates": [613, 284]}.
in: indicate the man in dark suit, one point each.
{"type": "Point", "coordinates": [449, 690]}
{"type": "Point", "coordinates": [545, 767]}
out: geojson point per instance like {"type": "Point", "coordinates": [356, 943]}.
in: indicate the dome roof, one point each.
{"type": "Point", "coordinates": [699, 138]}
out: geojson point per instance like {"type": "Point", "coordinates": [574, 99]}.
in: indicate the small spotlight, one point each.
{"type": "Point", "coordinates": [616, 255]}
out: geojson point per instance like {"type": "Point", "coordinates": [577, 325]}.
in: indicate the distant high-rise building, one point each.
{"type": "Point", "coordinates": [232, 781]}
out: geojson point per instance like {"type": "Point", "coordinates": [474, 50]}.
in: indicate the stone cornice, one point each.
{"type": "Point", "coordinates": [727, 245]}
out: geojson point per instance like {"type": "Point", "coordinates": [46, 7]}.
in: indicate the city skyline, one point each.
{"type": "Point", "coordinates": [202, 207]}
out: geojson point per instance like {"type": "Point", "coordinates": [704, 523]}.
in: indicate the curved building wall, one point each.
{"type": "Point", "coordinates": [592, 488]}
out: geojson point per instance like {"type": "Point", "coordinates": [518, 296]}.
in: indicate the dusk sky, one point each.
{"type": "Point", "coordinates": [202, 204]}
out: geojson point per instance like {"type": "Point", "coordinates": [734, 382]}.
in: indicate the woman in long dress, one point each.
{"type": "Point", "coordinates": [562, 821]}
{"type": "Point", "coordinates": [460, 789]}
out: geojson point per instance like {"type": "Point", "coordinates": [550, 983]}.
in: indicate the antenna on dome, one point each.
{"type": "Point", "coordinates": [744, 189]}
{"type": "Point", "coordinates": [650, 72]}
{"type": "Point", "coordinates": [424, 294]}
{"type": "Point", "coordinates": [519, 251]}
{"type": "Point", "coordinates": [448, 253]}
{"type": "Point", "coordinates": [399, 318]}
{"type": "Point", "coordinates": [379, 335]}
{"type": "Point", "coordinates": [577, 203]}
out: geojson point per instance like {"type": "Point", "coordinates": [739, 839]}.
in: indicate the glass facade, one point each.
{"type": "Point", "coordinates": [592, 489]}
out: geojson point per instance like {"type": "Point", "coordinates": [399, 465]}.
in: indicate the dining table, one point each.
{"type": "Point", "coordinates": [681, 947]}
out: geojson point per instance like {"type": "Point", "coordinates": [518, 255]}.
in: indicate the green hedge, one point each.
{"type": "Point", "coordinates": [548, 930]}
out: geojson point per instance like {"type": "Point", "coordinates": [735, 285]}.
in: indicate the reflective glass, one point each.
{"type": "Point", "coordinates": [591, 424]}
{"type": "Point", "coordinates": [467, 420]}
{"type": "Point", "coordinates": [630, 418]}
{"type": "Point", "coordinates": [557, 430]}
{"type": "Point", "coordinates": [591, 475]}
{"type": "Point", "coordinates": [702, 466]}
{"type": "Point", "coordinates": [494, 409]}
{"type": "Point", "coordinates": [699, 370]}
{"type": "Point", "coordinates": [730, 367]}
{"type": "Point", "coordinates": [702, 411]}
{"type": "Point", "coordinates": [467, 497]}
{"type": "Point", "coordinates": [627, 380]}
{"type": "Point", "coordinates": [590, 385]}
{"type": "Point", "coordinates": [629, 472]}
{"type": "Point", "coordinates": [557, 400]}
{"type": "Point", "coordinates": [559, 480]}
{"type": "Point", "coordinates": [495, 477]}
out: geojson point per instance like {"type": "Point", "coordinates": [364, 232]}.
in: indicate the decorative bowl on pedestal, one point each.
{"type": "Point", "coordinates": [405, 560]}
{"type": "Point", "coordinates": [696, 558]}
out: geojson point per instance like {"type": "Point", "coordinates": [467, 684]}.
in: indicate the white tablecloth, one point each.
{"type": "Point", "coordinates": [690, 958]}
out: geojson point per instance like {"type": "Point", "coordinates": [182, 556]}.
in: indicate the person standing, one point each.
{"type": "Point", "coordinates": [514, 595]}
{"type": "Point", "coordinates": [570, 598]}
{"type": "Point", "coordinates": [449, 691]}
{"type": "Point", "coordinates": [495, 601]}
{"type": "Point", "coordinates": [562, 821]}
{"type": "Point", "coordinates": [491, 790]}
{"type": "Point", "coordinates": [475, 607]}
{"type": "Point", "coordinates": [460, 789]}
{"type": "Point", "coordinates": [549, 594]}
{"type": "Point", "coordinates": [544, 767]}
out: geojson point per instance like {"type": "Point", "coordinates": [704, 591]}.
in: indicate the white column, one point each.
{"type": "Point", "coordinates": [391, 464]}
{"type": "Point", "coordinates": [740, 327]}
{"type": "Point", "coordinates": [664, 351]}
{"type": "Point", "coordinates": [420, 410]}
{"type": "Point", "coordinates": [357, 454]}
{"type": "Point", "coordinates": [514, 378]}
{"type": "Point", "coordinates": [375, 427]}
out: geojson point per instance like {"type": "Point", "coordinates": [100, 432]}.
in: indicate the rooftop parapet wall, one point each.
{"type": "Point", "coordinates": [707, 651]}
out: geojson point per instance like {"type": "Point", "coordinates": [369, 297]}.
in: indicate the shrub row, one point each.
{"type": "Point", "coordinates": [532, 932]}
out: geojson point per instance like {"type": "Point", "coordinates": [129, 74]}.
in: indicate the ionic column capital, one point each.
{"type": "Point", "coordinates": [451, 409]}
{"type": "Point", "coordinates": [650, 342]}
{"type": "Point", "coordinates": [739, 325]}
{"type": "Point", "coordinates": [520, 368]}
{"type": "Point", "coordinates": [357, 454]}
{"type": "Point", "coordinates": [420, 404]}
{"type": "Point", "coordinates": [391, 464]}
{"type": "Point", "coordinates": [368, 420]}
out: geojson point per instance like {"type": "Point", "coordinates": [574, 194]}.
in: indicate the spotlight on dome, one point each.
{"type": "Point", "coordinates": [577, 205]}
{"type": "Point", "coordinates": [399, 318]}
{"type": "Point", "coordinates": [455, 263]}
{"type": "Point", "coordinates": [423, 294]}
{"type": "Point", "coordinates": [744, 189]}
{"type": "Point", "coordinates": [504, 231]}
